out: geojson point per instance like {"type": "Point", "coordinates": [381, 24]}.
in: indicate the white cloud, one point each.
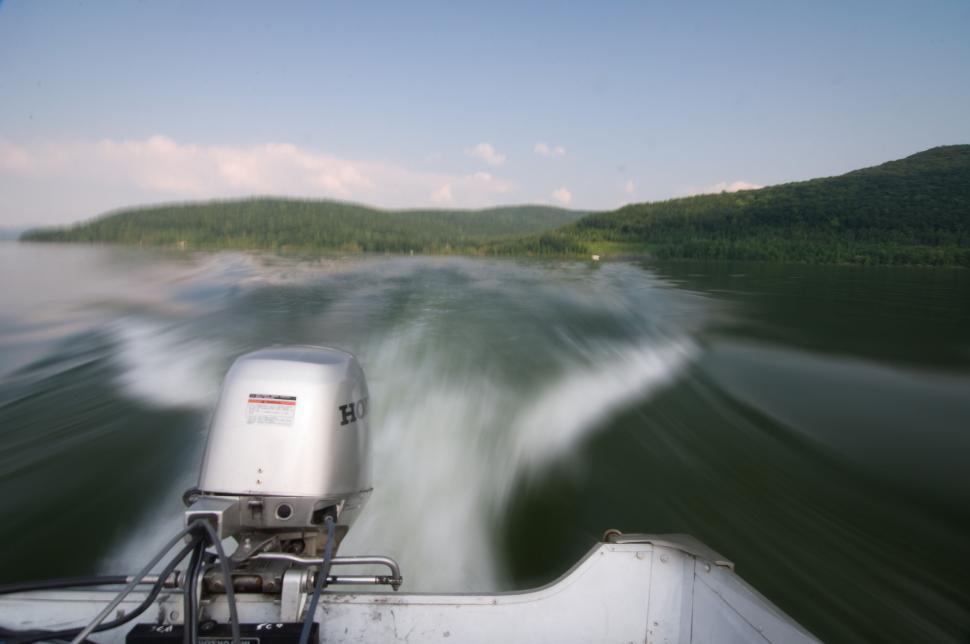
{"type": "Point", "coordinates": [630, 187]}
{"type": "Point", "coordinates": [562, 195]}
{"type": "Point", "coordinates": [548, 151]}
{"type": "Point", "coordinates": [55, 182]}
{"type": "Point", "coordinates": [723, 186]}
{"type": "Point", "coordinates": [442, 195]}
{"type": "Point", "coordinates": [485, 152]}
{"type": "Point", "coordinates": [15, 159]}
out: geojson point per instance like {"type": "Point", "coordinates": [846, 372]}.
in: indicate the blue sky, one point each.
{"type": "Point", "coordinates": [105, 104]}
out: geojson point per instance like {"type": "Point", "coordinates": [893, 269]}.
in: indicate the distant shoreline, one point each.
{"type": "Point", "coordinates": [608, 259]}
{"type": "Point", "coordinates": [912, 211]}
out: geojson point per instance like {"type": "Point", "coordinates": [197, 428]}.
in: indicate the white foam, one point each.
{"type": "Point", "coordinates": [164, 367]}
{"type": "Point", "coordinates": [451, 443]}
{"type": "Point", "coordinates": [588, 395]}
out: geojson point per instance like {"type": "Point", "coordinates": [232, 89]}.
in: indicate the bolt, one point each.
{"type": "Point", "coordinates": [664, 558]}
{"type": "Point", "coordinates": [707, 567]}
{"type": "Point", "coordinates": [640, 555]}
{"type": "Point", "coordinates": [174, 615]}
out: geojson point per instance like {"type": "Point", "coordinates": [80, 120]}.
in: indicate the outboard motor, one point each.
{"type": "Point", "coordinates": [288, 445]}
{"type": "Point", "coordinates": [285, 473]}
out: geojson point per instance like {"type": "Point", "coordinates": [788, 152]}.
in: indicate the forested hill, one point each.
{"type": "Point", "coordinates": [911, 211]}
{"type": "Point", "coordinates": [302, 224]}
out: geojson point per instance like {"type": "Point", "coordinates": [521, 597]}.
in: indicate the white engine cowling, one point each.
{"type": "Point", "coordinates": [288, 441]}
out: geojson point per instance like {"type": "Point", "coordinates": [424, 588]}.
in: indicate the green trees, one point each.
{"type": "Point", "coordinates": [296, 224]}
{"type": "Point", "coordinates": [910, 211]}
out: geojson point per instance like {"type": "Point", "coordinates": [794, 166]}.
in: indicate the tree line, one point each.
{"type": "Point", "coordinates": [910, 211]}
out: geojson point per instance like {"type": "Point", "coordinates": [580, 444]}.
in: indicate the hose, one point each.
{"type": "Point", "coordinates": [190, 620]}
{"type": "Point", "coordinates": [66, 582]}
{"type": "Point", "coordinates": [320, 581]}
{"type": "Point", "coordinates": [29, 637]}
{"type": "Point", "coordinates": [210, 535]}
{"type": "Point", "coordinates": [131, 585]}
{"type": "Point", "coordinates": [201, 533]}
{"type": "Point", "coordinates": [227, 579]}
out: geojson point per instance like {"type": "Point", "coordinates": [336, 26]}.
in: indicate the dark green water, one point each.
{"type": "Point", "coordinates": [811, 423]}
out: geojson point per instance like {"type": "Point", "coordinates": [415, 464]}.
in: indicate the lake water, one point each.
{"type": "Point", "coordinates": [810, 423]}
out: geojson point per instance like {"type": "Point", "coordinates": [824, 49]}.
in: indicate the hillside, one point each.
{"type": "Point", "coordinates": [911, 211]}
{"type": "Point", "coordinates": [287, 223]}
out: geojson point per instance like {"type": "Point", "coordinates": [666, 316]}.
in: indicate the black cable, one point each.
{"type": "Point", "coordinates": [120, 597]}
{"type": "Point", "coordinates": [155, 592]}
{"type": "Point", "coordinates": [227, 579]}
{"type": "Point", "coordinates": [66, 582]}
{"type": "Point", "coordinates": [29, 637]}
{"type": "Point", "coordinates": [36, 636]}
{"type": "Point", "coordinates": [196, 546]}
{"type": "Point", "coordinates": [320, 581]}
{"type": "Point", "coordinates": [190, 621]}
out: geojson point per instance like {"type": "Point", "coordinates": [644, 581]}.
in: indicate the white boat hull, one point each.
{"type": "Point", "coordinates": [664, 588]}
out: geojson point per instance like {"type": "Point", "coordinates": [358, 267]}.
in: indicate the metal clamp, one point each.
{"type": "Point", "coordinates": [394, 580]}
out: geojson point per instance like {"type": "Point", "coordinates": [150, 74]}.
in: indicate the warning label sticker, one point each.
{"type": "Point", "coordinates": [270, 409]}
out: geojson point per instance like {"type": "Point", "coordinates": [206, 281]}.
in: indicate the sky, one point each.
{"type": "Point", "coordinates": [412, 104]}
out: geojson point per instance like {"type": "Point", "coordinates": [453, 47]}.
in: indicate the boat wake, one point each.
{"type": "Point", "coordinates": [476, 382]}
{"type": "Point", "coordinates": [452, 443]}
